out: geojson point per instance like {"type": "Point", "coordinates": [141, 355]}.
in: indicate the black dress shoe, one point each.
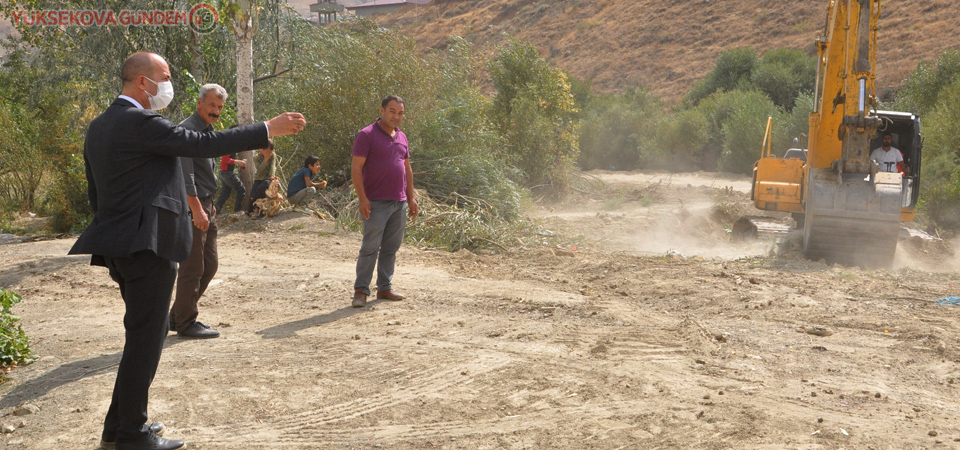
{"type": "Point", "coordinates": [108, 440]}
{"type": "Point", "coordinates": [151, 442]}
{"type": "Point", "coordinates": [197, 330]}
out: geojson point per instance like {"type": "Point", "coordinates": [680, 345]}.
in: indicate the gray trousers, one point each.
{"type": "Point", "coordinates": [303, 196]}
{"type": "Point", "coordinates": [382, 236]}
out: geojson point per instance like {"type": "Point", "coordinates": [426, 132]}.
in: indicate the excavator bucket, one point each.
{"type": "Point", "coordinates": [852, 220]}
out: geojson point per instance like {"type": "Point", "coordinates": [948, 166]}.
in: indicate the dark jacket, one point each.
{"type": "Point", "coordinates": [135, 185]}
{"type": "Point", "coordinates": [199, 174]}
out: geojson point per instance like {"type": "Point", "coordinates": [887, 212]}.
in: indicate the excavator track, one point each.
{"type": "Point", "coordinates": [851, 220]}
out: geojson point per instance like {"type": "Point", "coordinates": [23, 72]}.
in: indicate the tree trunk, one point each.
{"type": "Point", "coordinates": [196, 56]}
{"type": "Point", "coordinates": [244, 30]}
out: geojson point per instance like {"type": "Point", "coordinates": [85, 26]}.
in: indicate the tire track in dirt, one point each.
{"type": "Point", "coordinates": [307, 427]}
{"type": "Point", "coordinates": [546, 416]}
{"type": "Point", "coordinates": [414, 384]}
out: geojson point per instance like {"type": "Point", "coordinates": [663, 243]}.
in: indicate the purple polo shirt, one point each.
{"type": "Point", "coordinates": [384, 172]}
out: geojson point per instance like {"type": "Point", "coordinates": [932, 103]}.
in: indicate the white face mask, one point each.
{"type": "Point", "coordinates": [164, 95]}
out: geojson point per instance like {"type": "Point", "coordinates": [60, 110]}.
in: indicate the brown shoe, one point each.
{"type": "Point", "coordinates": [389, 294]}
{"type": "Point", "coordinates": [359, 299]}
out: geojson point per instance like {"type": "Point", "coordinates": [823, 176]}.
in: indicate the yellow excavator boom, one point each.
{"type": "Point", "coordinates": [849, 210]}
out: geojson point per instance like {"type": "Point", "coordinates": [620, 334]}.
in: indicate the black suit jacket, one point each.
{"type": "Point", "coordinates": [135, 185]}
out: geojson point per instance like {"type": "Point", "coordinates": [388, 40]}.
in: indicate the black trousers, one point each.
{"type": "Point", "coordinates": [259, 191]}
{"type": "Point", "coordinates": [146, 283]}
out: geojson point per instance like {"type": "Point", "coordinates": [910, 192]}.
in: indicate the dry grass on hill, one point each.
{"type": "Point", "coordinates": [667, 45]}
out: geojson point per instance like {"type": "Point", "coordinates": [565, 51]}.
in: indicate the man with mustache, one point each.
{"type": "Point", "coordinates": [198, 270]}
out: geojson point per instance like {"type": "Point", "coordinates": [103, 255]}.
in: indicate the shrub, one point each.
{"type": "Point", "coordinates": [68, 202]}
{"type": "Point", "coordinates": [783, 74]}
{"type": "Point", "coordinates": [616, 129]}
{"type": "Point", "coordinates": [940, 187]}
{"type": "Point", "coordinates": [744, 129]}
{"type": "Point", "coordinates": [683, 143]}
{"type": "Point", "coordinates": [452, 143]}
{"type": "Point", "coordinates": [920, 92]}
{"type": "Point", "coordinates": [14, 345]}
{"type": "Point", "coordinates": [731, 71]}
{"type": "Point", "coordinates": [535, 114]}
{"type": "Point", "coordinates": [23, 163]}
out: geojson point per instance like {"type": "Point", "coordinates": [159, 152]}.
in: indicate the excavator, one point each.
{"type": "Point", "coordinates": [848, 208]}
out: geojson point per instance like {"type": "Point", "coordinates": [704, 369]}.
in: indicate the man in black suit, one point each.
{"type": "Point", "coordinates": [141, 228]}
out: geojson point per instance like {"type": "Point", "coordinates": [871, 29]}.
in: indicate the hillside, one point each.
{"type": "Point", "coordinates": [667, 45]}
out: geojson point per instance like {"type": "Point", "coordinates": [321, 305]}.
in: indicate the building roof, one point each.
{"type": "Point", "coordinates": [375, 3]}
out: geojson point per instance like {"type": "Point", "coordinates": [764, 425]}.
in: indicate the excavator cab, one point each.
{"type": "Point", "coordinates": [905, 129]}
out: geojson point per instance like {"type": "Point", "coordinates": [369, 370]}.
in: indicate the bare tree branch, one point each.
{"type": "Point", "coordinates": [272, 75]}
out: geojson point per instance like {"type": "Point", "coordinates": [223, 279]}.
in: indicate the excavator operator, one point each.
{"type": "Point", "coordinates": [888, 157]}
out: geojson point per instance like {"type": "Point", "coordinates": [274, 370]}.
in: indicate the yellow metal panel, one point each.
{"type": "Point", "coordinates": [779, 185]}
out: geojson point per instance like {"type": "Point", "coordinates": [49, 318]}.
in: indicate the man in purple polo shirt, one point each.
{"type": "Point", "coordinates": [384, 182]}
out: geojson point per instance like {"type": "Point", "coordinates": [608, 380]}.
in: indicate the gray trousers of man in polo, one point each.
{"type": "Point", "coordinates": [382, 236]}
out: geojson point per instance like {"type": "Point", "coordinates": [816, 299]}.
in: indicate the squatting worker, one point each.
{"type": "Point", "coordinates": [200, 181]}
{"type": "Point", "coordinates": [301, 189]}
{"type": "Point", "coordinates": [266, 173]}
{"type": "Point", "coordinates": [384, 182]}
{"type": "Point", "coordinates": [141, 226]}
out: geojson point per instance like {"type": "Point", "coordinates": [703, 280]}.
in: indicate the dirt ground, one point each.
{"type": "Point", "coordinates": [649, 329]}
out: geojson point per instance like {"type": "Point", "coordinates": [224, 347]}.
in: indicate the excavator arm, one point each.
{"type": "Point", "coordinates": [850, 211]}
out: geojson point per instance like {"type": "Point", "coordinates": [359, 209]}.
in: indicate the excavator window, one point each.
{"type": "Point", "coordinates": [906, 140]}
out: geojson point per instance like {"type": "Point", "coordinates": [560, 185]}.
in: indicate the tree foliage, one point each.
{"type": "Point", "coordinates": [616, 131]}
{"type": "Point", "coordinates": [782, 74]}
{"type": "Point", "coordinates": [534, 111]}
{"type": "Point", "coordinates": [731, 71]}
{"type": "Point", "coordinates": [744, 129]}
{"type": "Point", "coordinates": [933, 92]}
{"type": "Point", "coordinates": [920, 92]}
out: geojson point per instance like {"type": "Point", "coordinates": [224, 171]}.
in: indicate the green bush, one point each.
{"type": "Point", "coordinates": [732, 71]}
{"type": "Point", "coordinates": [744, 129]}
{"type": "Point", "coordinates": [342, 76]}
{"type": "Point", "coordinates": [683, 143]}
{"type": "Point", "coordinates": [455, 159]}
{"type": "Point", "coordinates": [783, 74]}
{"type": "Point", "coordinates": [68, 203]}
{"type": "Point", "coordinates": [615, 129]}
{"type": "Point", "coordinates": [920, 92]}
{"type": "Point", "coordinates": [535, 114]}
{"type": "Point", "coordinates": [339, 78]}
{"type": "Point", "coordinates": [940, 187]}
{"type": "Point", "coordinates": [797, 121]}
{"type": "Point", "coordinates": [23, 162]}
{"type": "Point", "coordinates": [14, 345]}
{"type": "Point", "coordinates": [933, 92]}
